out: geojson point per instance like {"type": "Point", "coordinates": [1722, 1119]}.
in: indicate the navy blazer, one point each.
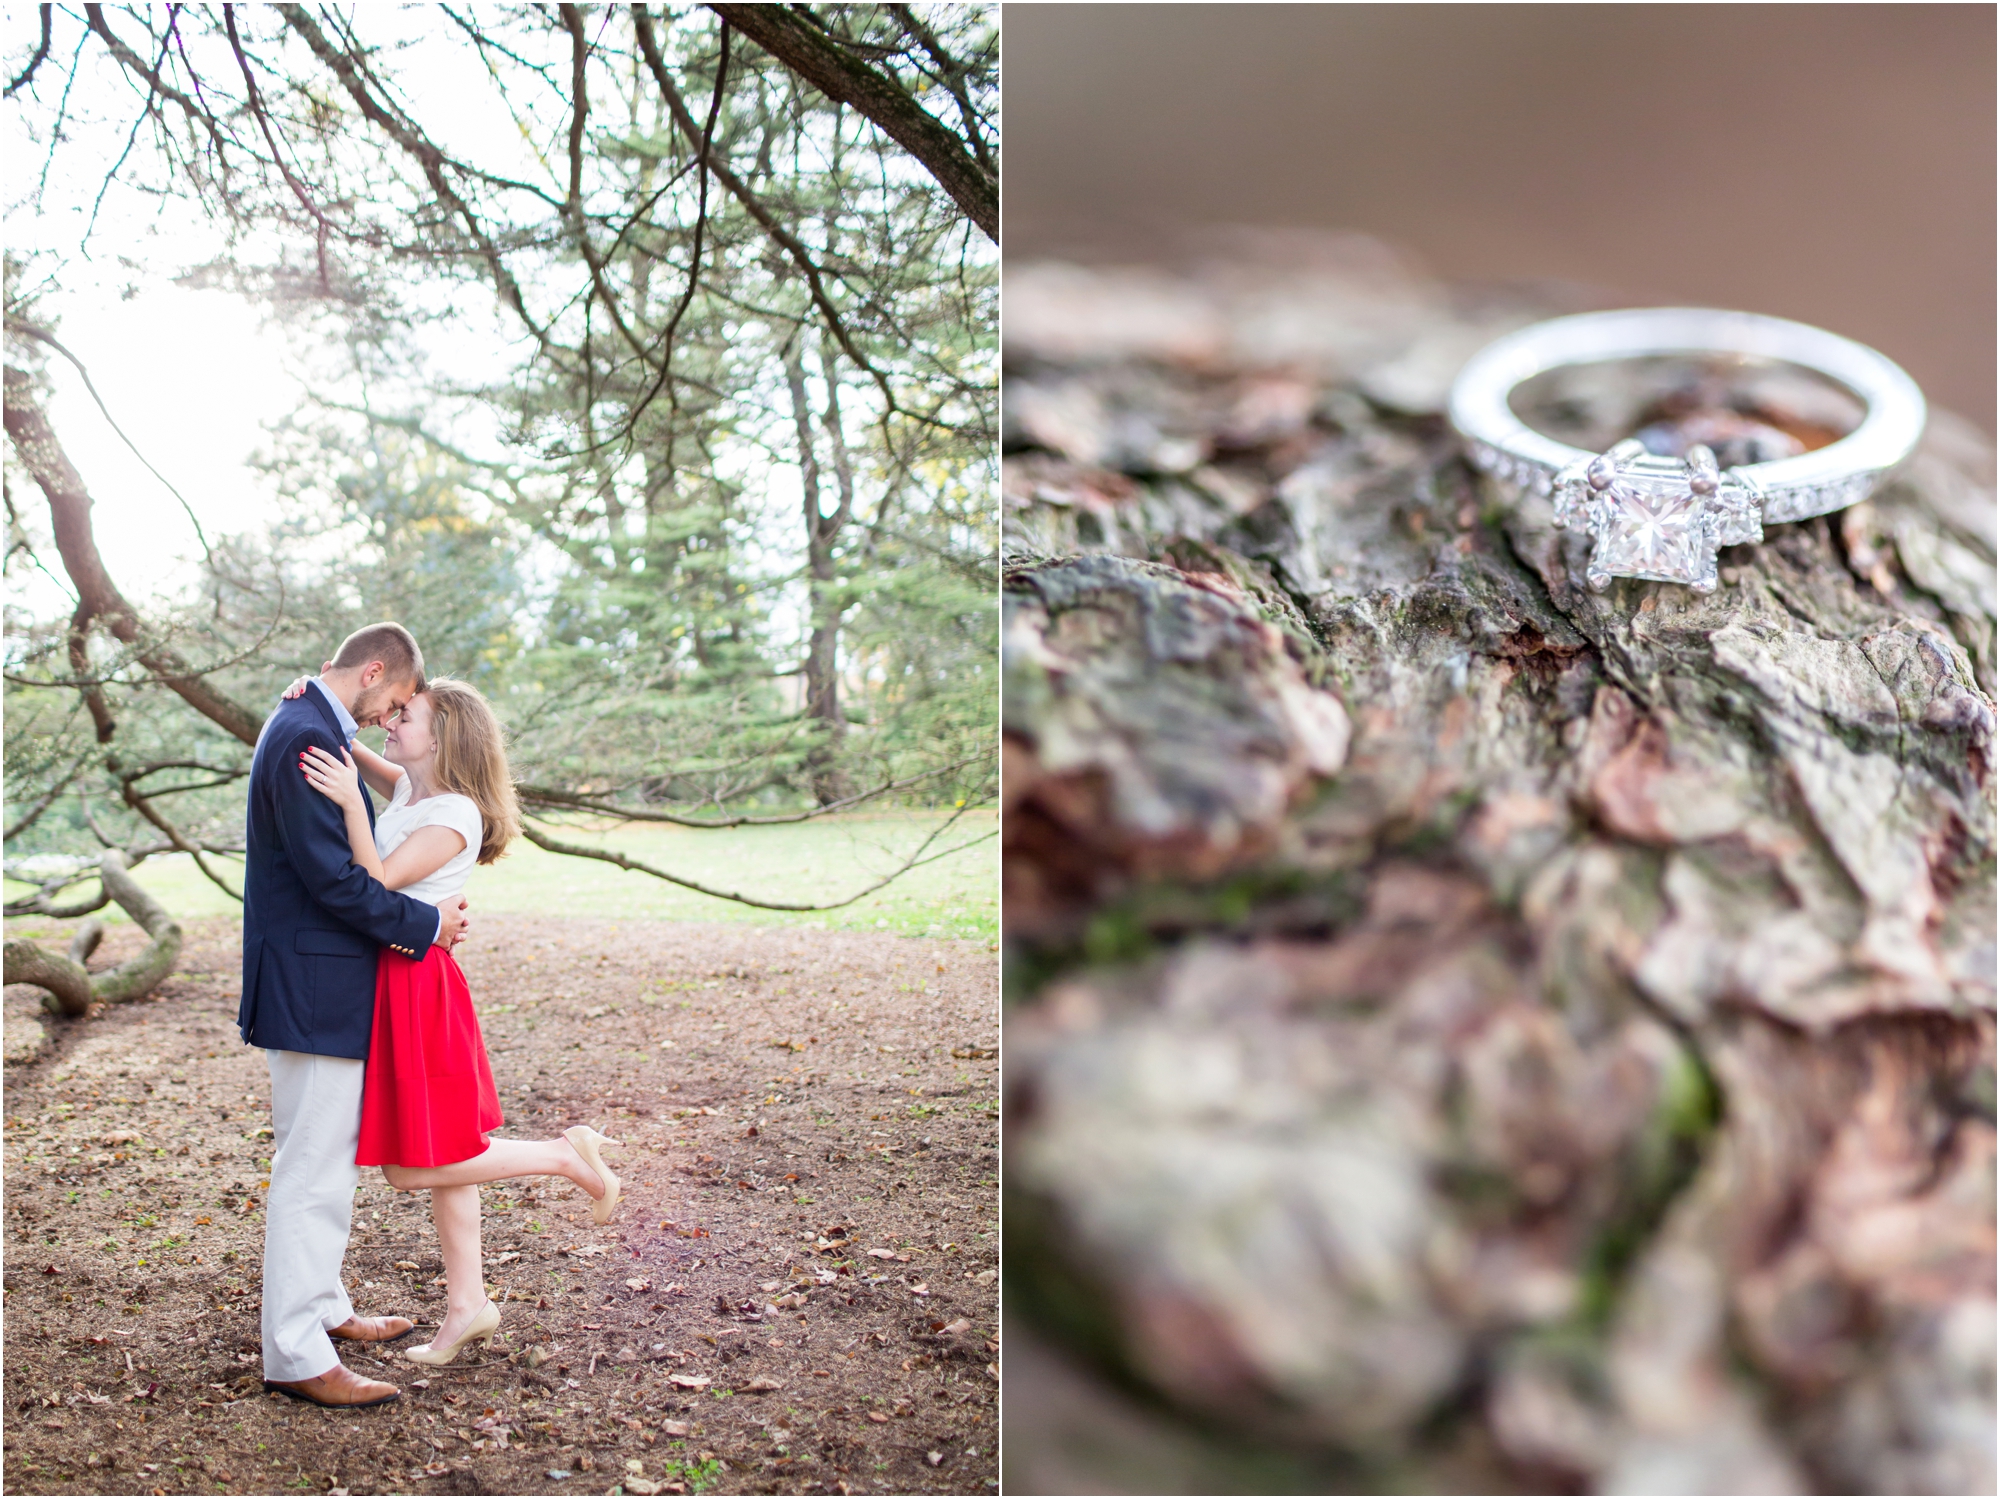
{"type": "Point", "coordinates": [313, 920]}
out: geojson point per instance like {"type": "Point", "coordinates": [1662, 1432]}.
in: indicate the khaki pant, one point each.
{"type": "Point", "coordinates": [316, 1121]}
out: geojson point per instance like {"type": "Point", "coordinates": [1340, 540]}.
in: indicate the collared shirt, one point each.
{"type": "Point", "coordinates": [348, 726]}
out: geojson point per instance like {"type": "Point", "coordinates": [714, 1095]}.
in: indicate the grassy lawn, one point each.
{"type": "Point", "coordinates": [957, 896]}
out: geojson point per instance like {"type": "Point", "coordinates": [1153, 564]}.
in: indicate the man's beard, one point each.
{"type": "Point", "coordinates": [371, 703]}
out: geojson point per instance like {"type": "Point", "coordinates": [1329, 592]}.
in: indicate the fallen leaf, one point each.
{"type": "Point", "coordinates": [957, 1325]}
{"type": "Point", "coordinates": [878, 1417]}
{"type": "Point", "coordinates": [888, 1254]}
{"type": "Point", "coordinates": [674, 1428]}
{"type": "Point", "coordinates": [407, 1265]}
{"type": "Point", "coordinates": [763, 1384]}
{"type": "Point", "coordinates": [920, 1289]}
{"type": "Point", "coordinates": [640, 1285]}
{"type": "Point", "coordinates": [688, 1381]}
{"type": "Point", "coordinates": [935, 1459]}
{"type": "Point", "coordinates": [502, 1259]}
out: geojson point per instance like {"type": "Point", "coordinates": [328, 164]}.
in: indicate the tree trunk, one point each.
{"type": "Point", "coordinates": [822, 663]}
{"type": "Point", "coordinates": [1475, 1034]}
{"type": "Point", "coordinates": [71, 988]}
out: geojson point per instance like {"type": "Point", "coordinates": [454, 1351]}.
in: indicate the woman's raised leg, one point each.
{"type": "Point", "coordinates": [500, 1160]}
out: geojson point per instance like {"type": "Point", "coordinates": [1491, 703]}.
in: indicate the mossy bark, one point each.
{"type": "Point", "coordinates": [1452, 1009]}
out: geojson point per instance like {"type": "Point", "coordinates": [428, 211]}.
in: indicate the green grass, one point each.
{"type": "Point", "coordinates": [957, 896]}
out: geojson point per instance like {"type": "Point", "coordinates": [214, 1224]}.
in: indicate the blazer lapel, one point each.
{"type": "Point", "coordinates": [317, 697]}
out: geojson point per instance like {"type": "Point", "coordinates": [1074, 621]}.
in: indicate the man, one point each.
{"type": "Point", "coordinates": [312, 925]}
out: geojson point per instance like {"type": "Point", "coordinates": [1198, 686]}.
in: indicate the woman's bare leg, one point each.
{"type": "Point", "coordinates": [501, 1159]}
{"type": "Point", "coordinates": [455, 1211]}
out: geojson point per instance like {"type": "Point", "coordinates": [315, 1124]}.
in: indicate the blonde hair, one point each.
{"type": "Point", "coordinates": [472, 760]}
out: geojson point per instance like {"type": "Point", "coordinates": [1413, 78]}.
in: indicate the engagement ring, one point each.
{"type": "Point", "coordinates": [1660, 517]}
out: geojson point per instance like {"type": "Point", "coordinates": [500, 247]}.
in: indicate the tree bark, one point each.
{"type": "Point", "coordinates": [822, 663]}
{"type": "Point", "coordinates": [808, 51]}
{"type": "Point", "coordinates": [1477, 1034]}
{"type": "Point", "coordinates": [70, 987]}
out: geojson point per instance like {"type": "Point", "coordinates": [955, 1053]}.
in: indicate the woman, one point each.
{"type": "Point", "coordinates": [428, 1102]}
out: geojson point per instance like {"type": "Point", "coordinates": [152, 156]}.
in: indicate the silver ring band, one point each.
{"type": "Point", "coordinates": [1701, 507]}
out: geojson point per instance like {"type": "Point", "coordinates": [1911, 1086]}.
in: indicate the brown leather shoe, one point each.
{"type": "Point", "coordinates": [372, 1329]}
{"type": "Point", "coordinates": [339, 1387]}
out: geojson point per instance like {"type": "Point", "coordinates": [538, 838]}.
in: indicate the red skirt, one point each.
{"type": "Point", "coordinates": [427, 1098]}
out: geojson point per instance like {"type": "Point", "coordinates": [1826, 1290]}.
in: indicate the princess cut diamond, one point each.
{"type": "Point", "coordinates": [1656, 527]}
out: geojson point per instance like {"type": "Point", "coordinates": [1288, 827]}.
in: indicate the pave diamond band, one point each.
{"type": "Point", "coordinates": [1663, 518]}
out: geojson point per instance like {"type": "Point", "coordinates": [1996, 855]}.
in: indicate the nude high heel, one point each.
{"type": "Point", "coordinates": [480, 1330]}
{"type": "Point", "coordinates": [586, 1141]}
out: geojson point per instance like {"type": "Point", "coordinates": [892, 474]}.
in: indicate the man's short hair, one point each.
{"type": "Point", "coordinates": [389, 643]}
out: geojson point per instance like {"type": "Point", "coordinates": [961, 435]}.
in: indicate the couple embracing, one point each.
{"type": "Point", "coordinates": [350, 986]}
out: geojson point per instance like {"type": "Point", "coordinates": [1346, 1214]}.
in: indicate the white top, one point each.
{"type": "Point", "coordinates": [446, 809]}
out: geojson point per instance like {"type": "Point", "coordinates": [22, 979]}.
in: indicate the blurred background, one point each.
{"type": "Point", "coordinates": [1833, 163]}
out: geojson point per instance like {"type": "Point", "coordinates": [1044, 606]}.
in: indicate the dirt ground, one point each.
{"type": "Point", "coordinates": [798, 1296]}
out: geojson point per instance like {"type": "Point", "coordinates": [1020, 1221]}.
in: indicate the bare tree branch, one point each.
{"type": "Point", "coordinates": [788, 34]}
{"type": "Point", "coordinates": [430, 160]}
{"type": "Point", "coordinates": [48, 798]}
{"type": "Point", "coordinates": [787, 241]}
{"type": "Point", "coordinates": [548, 796]}
{"type": "Point", "coordinates": [952, 72]}
{"type": "Point", "coordinates": [256, 103]}
{"type": "Point", "coordinates": [704, 149]}
{"type": "Point", "coordinates": [41, 50]}
{"type": "Point", "coordinates": [71, 988]}
{"type": "Point", "coordinates": [611, 856]}
{"type": "Point", "coordinates": [138, 803]}
{"type": "Point", "coordinates": [134, 63]}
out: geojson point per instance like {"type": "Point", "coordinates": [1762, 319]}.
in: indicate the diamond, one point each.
{"type": "Point", "coordinates": [1653, 526]}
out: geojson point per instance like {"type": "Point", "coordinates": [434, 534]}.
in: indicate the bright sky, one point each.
{"type": "Point", "coordinates": [195, 377]}
{"type": "Point", "coordinates": [192, 379]}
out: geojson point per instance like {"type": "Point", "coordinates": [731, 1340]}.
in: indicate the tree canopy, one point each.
{"type": "Point", "coordinates": [656, 392]}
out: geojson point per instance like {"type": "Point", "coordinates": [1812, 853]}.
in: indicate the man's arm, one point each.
{"type": "Point", "coordinates": [311, 832]}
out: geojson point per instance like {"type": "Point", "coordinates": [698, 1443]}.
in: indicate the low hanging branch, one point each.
{"type": "Point", "coordinates": [549, 796]}
{"type": "Point", "coordinates": [70, 988]}
{"type": "Point", "coordinates": [542, 840]}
